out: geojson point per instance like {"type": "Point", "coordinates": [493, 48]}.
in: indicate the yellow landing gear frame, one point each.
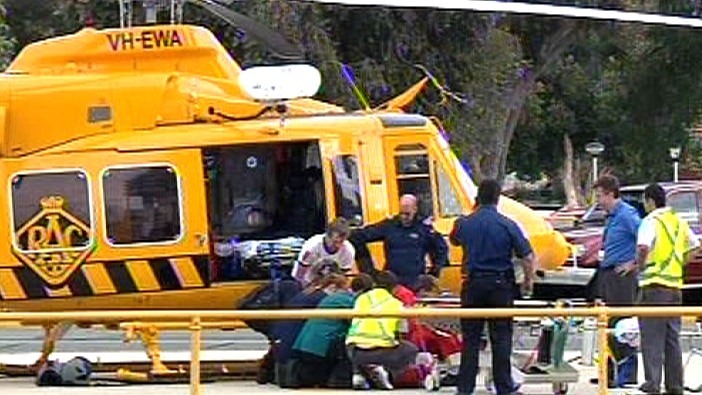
{"type": "Point", "coordinates": [150, 337]}
{"type": "Point", "coordinates": [149, 334]}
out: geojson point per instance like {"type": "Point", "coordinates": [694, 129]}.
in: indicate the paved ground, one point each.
{"type": "Point", "coordinates": [20, 346]}
{"type": "Point", "coordinates": [583, 387]}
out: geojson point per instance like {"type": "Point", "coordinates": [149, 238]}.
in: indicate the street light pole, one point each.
{"type": "Point", "coordinates": [675, 156]}
{"type": "Point", "coordinates": [594, 169]}
{"type": "Point", "coordinates": [594, 148]}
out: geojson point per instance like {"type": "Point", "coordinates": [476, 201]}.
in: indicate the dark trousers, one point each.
{"type": "Point", "coordinates": [660, 341]}
{"type": "Point", "coordinates": [394, 359]}
{"type": "Point", "coordinates": [618, 290]}
{"type": "Point", "coordinates": [313, 370]}
{"type": "Point", "coordinates": [487, 290]}
{"type": "Point", "coordinates": [615, 289]}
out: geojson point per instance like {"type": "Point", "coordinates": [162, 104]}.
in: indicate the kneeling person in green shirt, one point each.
{"type": "Point", "coordinates": [320, 345]}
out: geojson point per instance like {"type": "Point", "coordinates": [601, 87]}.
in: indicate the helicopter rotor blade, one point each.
{"type": "Point", "coordinates": [528, 8]}
{"type": "Point", "coordinates": [274, 40]}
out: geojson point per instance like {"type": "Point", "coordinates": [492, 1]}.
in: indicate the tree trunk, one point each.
{"type": "Point", "coordinates": [549, 53]}
{"type": "Point", "coordinates": [578, 181]}
{"type": "Point", "coordinates": [568, 179]}
{"type": "Point", "coordinates": [520, 94]}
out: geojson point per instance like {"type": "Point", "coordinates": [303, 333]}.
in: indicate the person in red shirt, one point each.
{"type": "Point", "coordinates": [445, 345]}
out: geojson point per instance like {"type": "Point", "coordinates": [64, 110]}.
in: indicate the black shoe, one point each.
{"type": "Point", "coordinates": [265, 376]}
{"type": "Point", "coordinates": [649, 391]}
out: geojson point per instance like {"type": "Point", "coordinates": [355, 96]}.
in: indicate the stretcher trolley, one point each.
{"type": "Point", "coordinates": [543, 364]}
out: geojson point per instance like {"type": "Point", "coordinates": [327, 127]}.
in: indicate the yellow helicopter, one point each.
{"type": "Point", "coordinates": [138, 159]}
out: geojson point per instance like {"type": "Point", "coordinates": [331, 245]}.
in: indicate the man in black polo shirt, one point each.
{"type": "Point", "coordinates": [407, 239]}
{"type": "Point", "coordinates": [489, 239]}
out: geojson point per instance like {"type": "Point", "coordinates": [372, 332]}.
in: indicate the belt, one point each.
{"type": "Point", "coordinates": [491, 273]}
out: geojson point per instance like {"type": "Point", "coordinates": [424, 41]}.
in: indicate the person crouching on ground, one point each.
{"type": "Point", "coordinates": [285, 332]}
{"type": "Point", "coordinates": [375, 344]}
{"type": "Point", "coordinates": [320, 345]}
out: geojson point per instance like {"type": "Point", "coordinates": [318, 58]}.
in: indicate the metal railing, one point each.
{"type": "Point", "coordinates": [197, 320]}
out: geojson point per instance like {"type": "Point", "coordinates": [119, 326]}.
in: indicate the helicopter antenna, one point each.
{"type": "Point", "coordinates": [178, 10]}
{"type": "Point", "coordinates": [151, 10]}
{"type": "Point", "coordinates": [128, 12]}
{"type": "Point", "coordinates": [173, 11]}
{"type": "Point", "coordinates": [272, 39]}
{"type": "Point", "coordinates": [121, 14]}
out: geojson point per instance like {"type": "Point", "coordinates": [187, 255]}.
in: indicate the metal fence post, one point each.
{"type": "Point", "coordinates": [587, 353]}
{"type": "Point", "coordinates": [602, 357]}
{"type": "Point", "coordinates": [196, 330]}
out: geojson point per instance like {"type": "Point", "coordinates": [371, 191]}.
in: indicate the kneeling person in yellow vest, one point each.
{"type": "Point", "coordinates": [375, 345]}
{"type": "Point", "coordinates": [664, 241]}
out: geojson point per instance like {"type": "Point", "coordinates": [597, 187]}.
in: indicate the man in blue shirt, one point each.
{"type": "Point", "coordinates": [617, 278]}
{"type": "Point", "coordinates": [617, 274]}
{"type": "Point", "coordinates": [489, 240]}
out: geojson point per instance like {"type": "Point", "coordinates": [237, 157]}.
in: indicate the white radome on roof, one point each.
{"type": "Point", "coordinates": [279, 83]}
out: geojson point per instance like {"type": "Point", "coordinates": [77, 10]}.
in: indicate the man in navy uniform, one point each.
{"type": "Point", "coordinates": [407, 239]}
{"type": "Point", "coordinates": [489, 240]}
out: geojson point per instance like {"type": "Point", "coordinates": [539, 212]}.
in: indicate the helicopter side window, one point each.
{"type": "Point", "coordinates": [51, 210]}
{"type": "Point", "coordinates": [347, 189]}
{"type": "Point", "coordinates": [142, 205]}
{"type": "Point", "coordinates": [449, 204]}
{"type": "Point", "coordinates": [412, 169]}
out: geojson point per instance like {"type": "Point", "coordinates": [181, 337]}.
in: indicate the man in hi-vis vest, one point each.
{"type": "Point", "coordinates": [377, 346]}
{"type": "Point", "coordinates": [664, 241]}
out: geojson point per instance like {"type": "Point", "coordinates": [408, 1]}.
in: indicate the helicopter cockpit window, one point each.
{"type": "Point", "coordinates": [347, 189]}
{"type": "Point", "coordinates": [449, 204]}
{"type": "Point", "coordinates": [266, 191]}
{"type": "Point", "coordinates": [51, 211]}
{"type": "Point", "coordinates": [413, 176]}
{"type": "Point", "coordinates": [142, 205]}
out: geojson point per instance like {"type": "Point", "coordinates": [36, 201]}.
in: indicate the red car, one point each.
{"type": "Point", "coordinates": [566, 218]}
{"type": "Point", "coordinates": [585, 234]}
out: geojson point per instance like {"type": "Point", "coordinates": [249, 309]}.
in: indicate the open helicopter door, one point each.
{"type": "Point", "coordinates": [265, 200]}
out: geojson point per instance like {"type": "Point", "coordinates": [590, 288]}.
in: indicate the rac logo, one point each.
{"type": "Point", "coordinates": [53, 243]}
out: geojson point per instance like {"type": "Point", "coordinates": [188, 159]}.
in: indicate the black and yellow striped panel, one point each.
{"type": "Point", "coordinates": [109, 278]}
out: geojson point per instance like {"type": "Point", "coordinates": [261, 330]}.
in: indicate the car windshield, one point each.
{"type": "Point", "coordinates": [596, 215]}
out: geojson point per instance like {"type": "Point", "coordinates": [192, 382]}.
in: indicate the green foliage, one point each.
{"type": "Point", "coordinates": [635, 88]}
{"type": "Point", "coordinates": [7, 41]}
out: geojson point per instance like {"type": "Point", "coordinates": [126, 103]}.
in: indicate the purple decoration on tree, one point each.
{"type": "Point", "coordinates": [402, 50]}
{"type": "Point", "coordinates": [495, 19]}
{"type": "Point", "coordinates": [240, 34]}
{"type": "Point", "coordinates": [444, 134]}
{"type": "Point", "coordinates": [524, 72]}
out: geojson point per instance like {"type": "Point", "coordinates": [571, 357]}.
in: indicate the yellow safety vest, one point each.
{"type": "Point", "coordinates": [375, 332]}
{"type": "Point", "coordinates": [666, 259]}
